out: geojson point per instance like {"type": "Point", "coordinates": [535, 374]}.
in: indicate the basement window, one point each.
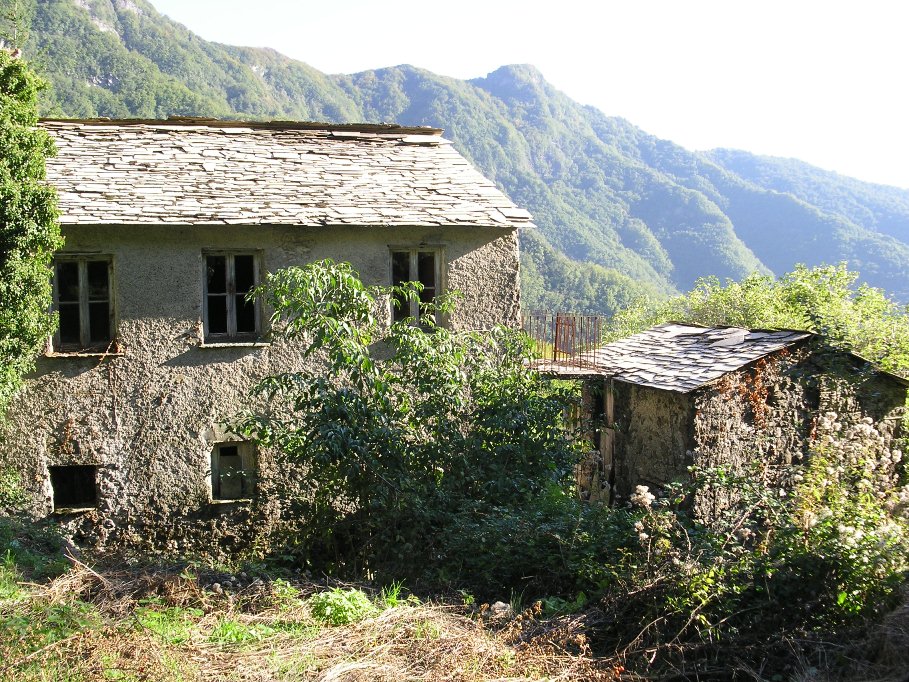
{"type": "Point", "coordinates": [233, 471]}
{"type": "Point", "coordinates": [74, 487]}
{"type": "Point", "coordinates": [82, 298]}
{"type": "Point", "coordinates": [228, 316]}
{"type": "Point", "coordinates": [415, 265]}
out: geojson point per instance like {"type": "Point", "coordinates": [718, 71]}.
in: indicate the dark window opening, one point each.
{"type": "Point", "coordinates": [74, 486]}
{"type": "Point", "coordinates": [83, 301]}
{"type": "Point", "coordinates": [400, 273]}
{"type": "Point", "coordinates": [414, 265]}
{"type": "Point", "coordinates": [232, 471]}
{"type": "Point", "coordinates": [598, 409]}
{"type": "Point", "coordinates": [228, 280]}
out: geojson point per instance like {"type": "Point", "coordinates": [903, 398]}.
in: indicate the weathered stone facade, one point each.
{"type": "Point", "coordinates": [766, 411]}
{"type": "Point", "coordinates": [148, 411]}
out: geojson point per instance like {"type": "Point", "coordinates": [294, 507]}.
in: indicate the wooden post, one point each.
{"type": "Point", "coordinates": [607, 439]}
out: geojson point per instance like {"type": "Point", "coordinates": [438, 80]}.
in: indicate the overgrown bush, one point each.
{"type": "Point", "coordinates": [439, 457]}
{"type": "Point", "coordinates": [29, 233]}
{"type": "Point", "coordinates": [808, 552]}
{"type": "Point", "coordinates": [825, 299]}
{"type": "Point", "coordinates": [825, 551]}
{"type": "Point", "coordinates": [411, 429]}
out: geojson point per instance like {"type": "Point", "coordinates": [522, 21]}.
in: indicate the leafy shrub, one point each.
{"type": "Point", "coordinates": [341, 607]}
{"type": "Point", "coordinates": [284, 595]}
{"type": "Point", "coordinates": [823, 550]}
{"type": "Point", "coordinates": [173, 624]}
{"type": "Point", "coordinates": [823, 299]}
{"type": "Point", "coordinates": [28, 224]}
{"type": "Point", "coordinates": [818, 547]}
{"type": "Point", "coordinates": [229, 631]}
{"type": "Point", "coordinates": [400, 436]}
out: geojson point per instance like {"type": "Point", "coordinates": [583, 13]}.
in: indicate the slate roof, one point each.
{"type": "Point", "coordinates": [206, 171]}
{"type": "Point", "coordinates": [679, 357]}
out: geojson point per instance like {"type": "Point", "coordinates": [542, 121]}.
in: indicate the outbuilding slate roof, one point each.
{"type": "Point", "coordinates": [680, 357]}
{"type": "Point", "coordinates": [206, 171]}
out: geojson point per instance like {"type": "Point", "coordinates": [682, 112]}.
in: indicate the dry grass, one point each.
{"type": "Point", "coordinates": [162, 626]}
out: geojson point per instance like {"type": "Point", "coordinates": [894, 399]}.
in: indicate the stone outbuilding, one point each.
{"type": "Point", "coordinates": [681, 395]}
{"type": "Point", "coordinates": [119, 433]}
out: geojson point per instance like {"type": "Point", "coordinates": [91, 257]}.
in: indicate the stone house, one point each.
{"type": "Point", "coordinates": [679, 395]}
{"type": "Point", "coordinates": [119, 431]}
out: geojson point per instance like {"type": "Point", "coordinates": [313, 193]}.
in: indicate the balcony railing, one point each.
{"type": "Point", "coordinates": [562, 340]}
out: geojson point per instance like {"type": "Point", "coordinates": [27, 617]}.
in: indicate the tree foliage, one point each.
{"type": "Point", "coordinates": [825, 299]}
{"type": "Point", "coordinates": [409, 426]}
{"type": "Point", "coordinates": [29, 233]}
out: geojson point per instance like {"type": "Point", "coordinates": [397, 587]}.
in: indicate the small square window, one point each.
{"type": "Point", "coordinates": [415, 265]}
{"type": "Point", "coordinates": [82, 298]}
{"type": "Point", "coordinates": [233, 471]}
{"type": "Point", "coordinates": [228, 316]}
{"type": "Point", "coordinates": [75, 487]}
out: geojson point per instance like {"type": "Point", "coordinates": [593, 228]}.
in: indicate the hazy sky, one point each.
{"type": "Point", "coordinates": [825, 82]}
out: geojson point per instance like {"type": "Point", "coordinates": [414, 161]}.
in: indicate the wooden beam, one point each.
{"type": "Point", "coordinates": [607, 438]}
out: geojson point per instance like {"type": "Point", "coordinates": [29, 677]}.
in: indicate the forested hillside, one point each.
{"type": "Point", "coordinates": [619, 212]}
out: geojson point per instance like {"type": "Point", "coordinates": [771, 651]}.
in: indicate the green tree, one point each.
{"type": "Point", "coordinates": [29, 232]}
{"type": "Point", "coordinates": [825, 299]}
{"type": "Point", "coordinates": [400, 429]}
{"type": "Point", "coordinates": [15, 22]}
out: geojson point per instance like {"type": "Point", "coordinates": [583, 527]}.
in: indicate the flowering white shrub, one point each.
{"type": "Point", "coordinates": [822, 544]}
{"type": "Point", "coordinates": [642, 497]}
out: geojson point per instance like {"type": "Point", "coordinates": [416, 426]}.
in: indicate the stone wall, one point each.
{"type": "Point", "coordinates": [766, 413]}
{"type": "Point", "coordinates": [652, 437]}
{"type": "Point", "coordinates": [148, 416]}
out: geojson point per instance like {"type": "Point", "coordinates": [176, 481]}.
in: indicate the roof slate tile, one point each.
{"type": "Point", "coordinates": [678, 357]}
{"type": "Point", "coordinates": [215, 172]}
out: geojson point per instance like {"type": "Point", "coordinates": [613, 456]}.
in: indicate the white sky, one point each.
{"type": "Point", "coordinates": [825, 82]}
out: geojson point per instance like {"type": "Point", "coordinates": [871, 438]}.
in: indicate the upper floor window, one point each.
{"type": "Point", "coordinates": [228, 316]}
{"type": "Point", "coordinates": [82, 296]}
{"type": "Point", "coordinates": [415, 265]}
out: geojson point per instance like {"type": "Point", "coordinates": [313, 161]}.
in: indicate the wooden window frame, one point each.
{"type": "Point", "coordinates": [85, 344]}
{"type": "Point", "coordinates": [438, 252]}
{"type": "Point", "coordinates": [232, 335]}
{"type": "Point", "coordinates": [248, 473]}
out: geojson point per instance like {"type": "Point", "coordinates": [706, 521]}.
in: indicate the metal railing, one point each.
{"type": "Point", "coordinates": [563, 339]}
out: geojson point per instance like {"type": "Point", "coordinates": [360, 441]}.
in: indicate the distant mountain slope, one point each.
{"type": "Point", "coordinates": [878, 207]}
{"type": "Point", "coordinates": [620, 213]}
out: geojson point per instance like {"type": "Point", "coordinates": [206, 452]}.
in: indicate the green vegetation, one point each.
{"type": "Point", "coordinates": [619, 212]}
{"type": "Point", "coordinates": [28, 225]}
{"type": "Point", "coordinates": [405, 440]}
{"type": "Point", "coordinates": [411, 452]}
{"type": "Point", "coordinates": [135, 623]}
{"type": "Point", "coordinates": [438, 458]}
{"type": "Point", "coordinates": [341, 607]}
{"type": "Point", "coordinates": [824, 299]}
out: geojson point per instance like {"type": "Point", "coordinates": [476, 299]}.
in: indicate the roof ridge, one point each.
{"type": "Point", "coordinates": [732, 326]}
{"type": "Point", "coordinates": [204, 121]}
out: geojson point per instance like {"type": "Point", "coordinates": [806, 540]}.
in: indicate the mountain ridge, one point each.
{"type": "Point", "coordinates": [620, 213]}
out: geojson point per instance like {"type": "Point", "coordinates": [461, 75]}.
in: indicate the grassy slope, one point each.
{"type": "Point", "coordinates": [176, 623]}
{"type": "Point", "coordinates": [617, 210]}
